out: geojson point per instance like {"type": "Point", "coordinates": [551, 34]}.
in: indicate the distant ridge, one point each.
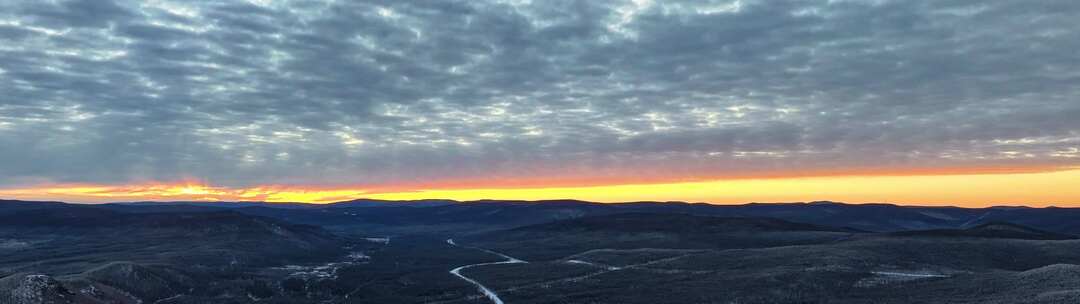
{"type": "Point", "coordinates": [381, 203]}
{"type": "Point", "coordinates": [501, 214]}
{"type": "Point", "coordinates": [440, 202]}
{"type": "Point", "coordinates": [1002, 230]}
{"type": "Point", "coordinates": [294, 205]}
{"type": "Point", "coordinates": [677, 223]}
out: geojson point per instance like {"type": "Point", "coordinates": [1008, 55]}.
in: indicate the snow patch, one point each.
{"type": "Point", "coordinates": [889, 277]}
{"type": "Point", "coordinates": [13, 244]}
{"type": "Point", "coordinates": [382, 240]}
{"type": "Point", "coordinates": [325, 271]}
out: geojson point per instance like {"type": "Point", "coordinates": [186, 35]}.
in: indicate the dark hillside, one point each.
{"type": "Point", "coordinates": [644, 230]}
{"type": "Point", "coordinates": [991, 230]}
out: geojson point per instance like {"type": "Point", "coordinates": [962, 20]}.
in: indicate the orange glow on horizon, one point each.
{"type": "Point", "coordinates": [186, 191]}
{"type": "Point", "coordinates": [1032, 188]}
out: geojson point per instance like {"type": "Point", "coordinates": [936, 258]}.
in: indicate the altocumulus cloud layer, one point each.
{"type": "Point", "coordinates": [383, 92]}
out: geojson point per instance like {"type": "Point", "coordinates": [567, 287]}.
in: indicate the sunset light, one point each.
{"type": "Point", "coordinates": [970, 190]}
{"type": "Point", "coordinates": [540, 151]}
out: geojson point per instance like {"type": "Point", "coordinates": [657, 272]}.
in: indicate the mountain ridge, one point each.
{"type": "Point", "coordinates": [384, 215]}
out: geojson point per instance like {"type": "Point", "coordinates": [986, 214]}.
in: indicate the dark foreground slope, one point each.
{"type": "Point", "coordinates": [658, 259]}
{"type": "Point", "coordinates": [196, 253]}
{"type": "Point", "coordinates": [859, 271]}
{"type": "Point", "coordinates": [578, 252]}
{"type": "Point", "coordinates": [83, 254]}
{"type": "Point", "coordinates": [203, 238]}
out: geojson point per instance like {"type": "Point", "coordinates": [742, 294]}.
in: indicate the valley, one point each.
{"type": "Point", "coordinates": [535, 252]}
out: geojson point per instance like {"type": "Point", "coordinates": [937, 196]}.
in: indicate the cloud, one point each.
{"type": "Point", "coordinates": [393, 92]}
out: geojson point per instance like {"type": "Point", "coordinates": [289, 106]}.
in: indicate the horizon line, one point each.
{"type": "Point", "coordinates": [1033, 189]}
{"type": "Point", "coordinates": [541, 201]}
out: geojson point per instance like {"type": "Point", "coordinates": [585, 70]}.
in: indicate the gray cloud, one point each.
{"type": "Point", "coordinates": [384, 92]}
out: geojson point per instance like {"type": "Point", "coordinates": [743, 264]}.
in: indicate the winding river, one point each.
{"type": "Point", "coordinates": [483, 289]}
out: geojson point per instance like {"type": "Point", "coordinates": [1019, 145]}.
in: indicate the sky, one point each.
{"type": "Point", "coordinates": [963, 102]}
